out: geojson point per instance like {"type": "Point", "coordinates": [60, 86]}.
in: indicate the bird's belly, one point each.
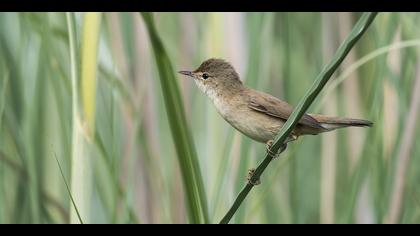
{"type": "Point", "coordinates": [253, 124]}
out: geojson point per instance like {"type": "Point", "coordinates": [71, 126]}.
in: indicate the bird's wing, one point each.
{"type": "Point", "coordinates": [275, 107]}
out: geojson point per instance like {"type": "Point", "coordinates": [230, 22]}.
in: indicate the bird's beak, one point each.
{"type": "Point", "coordinates": [185, 72]}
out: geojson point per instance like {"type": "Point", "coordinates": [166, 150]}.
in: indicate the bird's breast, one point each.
{"type": "Point", "coordinates": [255, 125]}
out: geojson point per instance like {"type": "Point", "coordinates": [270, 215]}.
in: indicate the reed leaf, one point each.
{"type": "Point", "coordinates": [83, 125]}
{"type": "Point", "coordinates": [187, 156]}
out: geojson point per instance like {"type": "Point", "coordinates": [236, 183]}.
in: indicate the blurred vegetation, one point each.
{"type": "Point", "coordinates": [347, 176]}
{"type": "Point", "coordinates": [300, 109]}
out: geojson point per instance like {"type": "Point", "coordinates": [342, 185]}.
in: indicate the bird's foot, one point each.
{"type": "Point", "coordinates": [272, 154]}
{"type": "Point", "coordinates": [290, 138]}
{"type": "Point", "coordinates": [249, 178]}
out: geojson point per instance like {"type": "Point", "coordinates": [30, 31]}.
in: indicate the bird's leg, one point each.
{"type": "Point", "coordinates": [249, 178]}
{"type": "Point", "coordinates": [291, 137]}
{"type": "Point", "coordinates": [272, 154]}
{"type": "Point", "coordinates": [269, 144]}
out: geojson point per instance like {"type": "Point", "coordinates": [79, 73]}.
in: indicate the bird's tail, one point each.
{"type": "Point", "coordinates": [332, 123]}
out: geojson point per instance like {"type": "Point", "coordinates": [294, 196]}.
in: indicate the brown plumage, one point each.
{"type": "Point", "coordinates": [257, 114]}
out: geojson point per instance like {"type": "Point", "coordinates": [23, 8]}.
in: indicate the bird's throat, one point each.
{"type": "Point", "coordinates": [225, 100]}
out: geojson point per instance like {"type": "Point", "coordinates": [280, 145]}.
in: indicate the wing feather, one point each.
{"type": "Point", "coordinates": [272, 106]}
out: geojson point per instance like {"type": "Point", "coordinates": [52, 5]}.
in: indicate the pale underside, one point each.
{"type": "Point", "coordinates": [259, 115]}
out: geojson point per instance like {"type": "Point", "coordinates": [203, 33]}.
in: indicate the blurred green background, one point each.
{"type": "Point", "coordinates": [120, 161]}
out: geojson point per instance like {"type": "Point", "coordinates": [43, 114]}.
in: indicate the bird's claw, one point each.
{"type": "Point", "coordinates": [249, 178]}
{"type": "Point", "coordinates": [272, 154]}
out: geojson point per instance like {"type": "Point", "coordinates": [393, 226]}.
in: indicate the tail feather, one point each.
{"type": "Point", "coordinates": [331, 123]}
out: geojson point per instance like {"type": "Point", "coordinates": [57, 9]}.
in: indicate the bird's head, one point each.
{"type": "Point", "coordinates": [215, 76]}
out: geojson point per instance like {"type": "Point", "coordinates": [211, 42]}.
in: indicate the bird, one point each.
{"type": "Point", "coordinates": [257, 114]}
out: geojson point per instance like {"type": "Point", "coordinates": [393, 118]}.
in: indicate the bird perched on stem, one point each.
{"type": "Point", "coordinates": [256, 114]}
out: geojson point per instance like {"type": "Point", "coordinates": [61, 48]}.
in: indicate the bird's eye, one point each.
{"type": "Point", "coordinates": [205, 76]}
